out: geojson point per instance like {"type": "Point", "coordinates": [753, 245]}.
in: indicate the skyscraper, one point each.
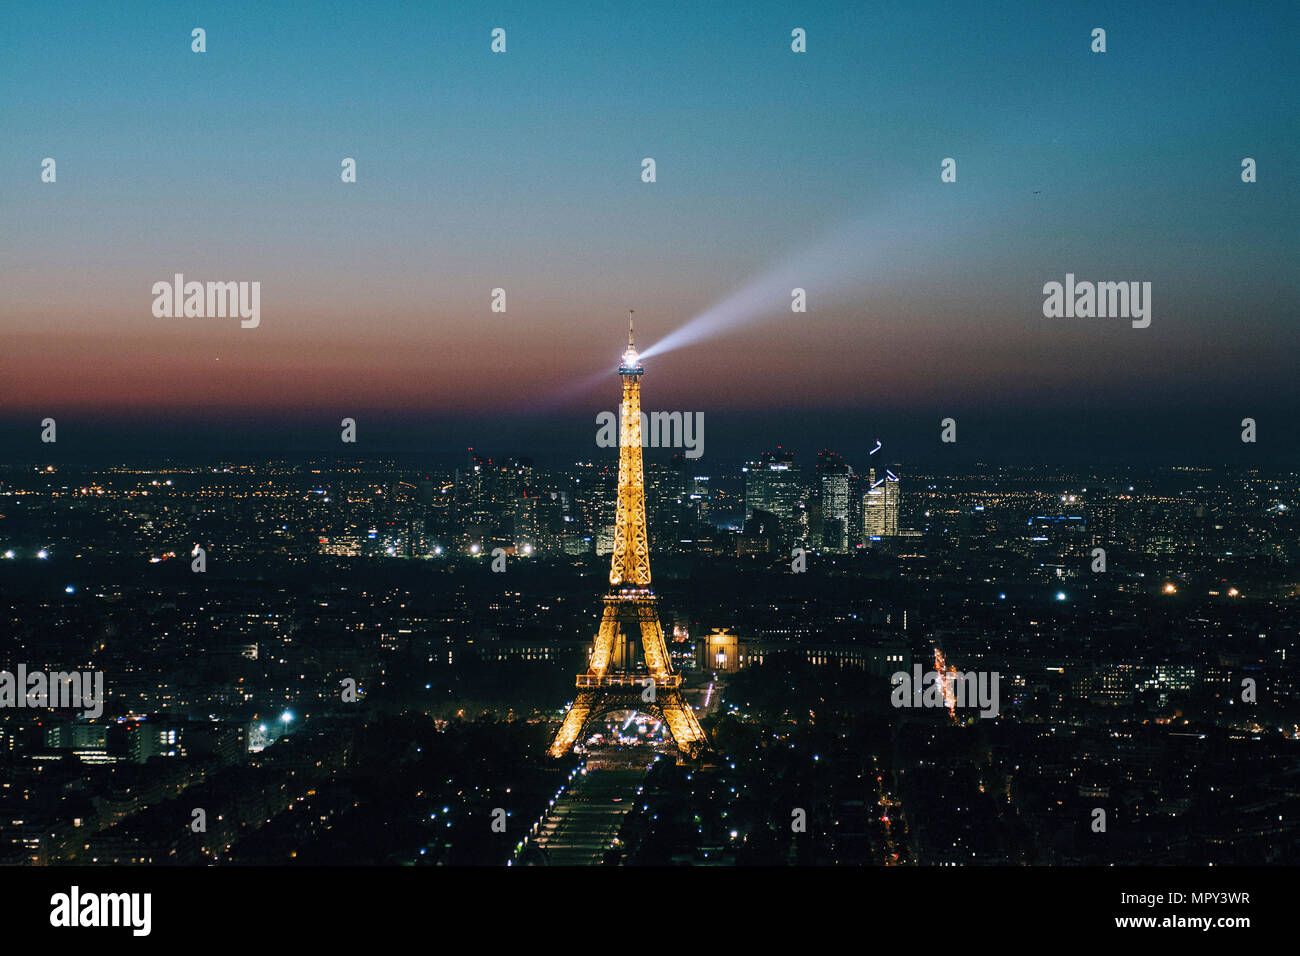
{"type": "Point", "coordinates": [773, 484]}
{"type": "Point", "coordinates": [880, 506]}
{"type": "Point", "coordinates": [835, 478]}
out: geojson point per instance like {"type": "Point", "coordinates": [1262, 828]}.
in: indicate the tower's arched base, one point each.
{"type": "Point", "coordinates": [669, 706]}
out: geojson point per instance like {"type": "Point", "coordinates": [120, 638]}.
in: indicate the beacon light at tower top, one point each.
{"type": "Point", "coordinates": [631, 363]}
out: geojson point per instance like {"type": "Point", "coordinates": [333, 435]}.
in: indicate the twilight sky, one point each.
{"type": "Point", "coordinates": [775, 170]}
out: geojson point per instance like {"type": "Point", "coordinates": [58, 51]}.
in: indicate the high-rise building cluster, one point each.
{"type": "Point", "coordinates": [833, 508]}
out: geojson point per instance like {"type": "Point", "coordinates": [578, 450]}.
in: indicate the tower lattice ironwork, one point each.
{"type": "Point", "coordinates": [618, 676]}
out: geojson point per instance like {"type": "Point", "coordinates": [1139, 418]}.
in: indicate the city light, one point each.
{"type": "Point", "coordinates": [363, 478]}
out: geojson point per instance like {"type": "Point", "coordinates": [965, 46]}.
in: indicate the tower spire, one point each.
{"type": "Point", "coordinates": [631, 364]}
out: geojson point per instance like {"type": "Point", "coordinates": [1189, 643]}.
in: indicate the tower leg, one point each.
{"type": "Point", "coordinates": [682, 723]}
{"type": "Point", "coordinates": [603, 648]}
{"type": "Point", "coordinates": [574, 721]}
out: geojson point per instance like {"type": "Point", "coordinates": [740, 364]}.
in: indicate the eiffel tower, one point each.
{"type": "Point", "coordinates": [613, 680]}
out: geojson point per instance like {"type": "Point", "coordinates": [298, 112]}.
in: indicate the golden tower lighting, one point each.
{"type": "Point", "coordinates": [613, 680]}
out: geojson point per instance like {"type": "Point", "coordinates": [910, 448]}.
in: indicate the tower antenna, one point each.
{"type": "Point", "coordinates": [629, 328]}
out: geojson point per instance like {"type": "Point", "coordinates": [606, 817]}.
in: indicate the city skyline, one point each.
{"type": "Point", "coordinates": [784, 441]}
{"type": "Point", "coordinates": [438, 601]}
{"type": "Point", "coordinates": [270, 643]}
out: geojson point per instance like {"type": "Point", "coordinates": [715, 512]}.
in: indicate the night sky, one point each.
{"type": "Point", "coordinates": [774, 170]}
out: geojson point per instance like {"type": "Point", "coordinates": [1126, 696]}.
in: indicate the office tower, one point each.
{"type": "Point", "coordinates": [663, 489]}
{"type": "Point", "coordinates": [1100, 515]}
{"type": "Point", "coordinates": [835, 478]}
{"type": "Point", "coordinates": [773, 485]}
{"type": "Point", "coordinates": [526, 536]}
{"type": "Point", "coordinates": [880, 506]}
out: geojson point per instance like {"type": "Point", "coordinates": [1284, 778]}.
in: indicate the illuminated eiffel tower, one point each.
{"type": "Point", "coordinates": [631, 618]}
